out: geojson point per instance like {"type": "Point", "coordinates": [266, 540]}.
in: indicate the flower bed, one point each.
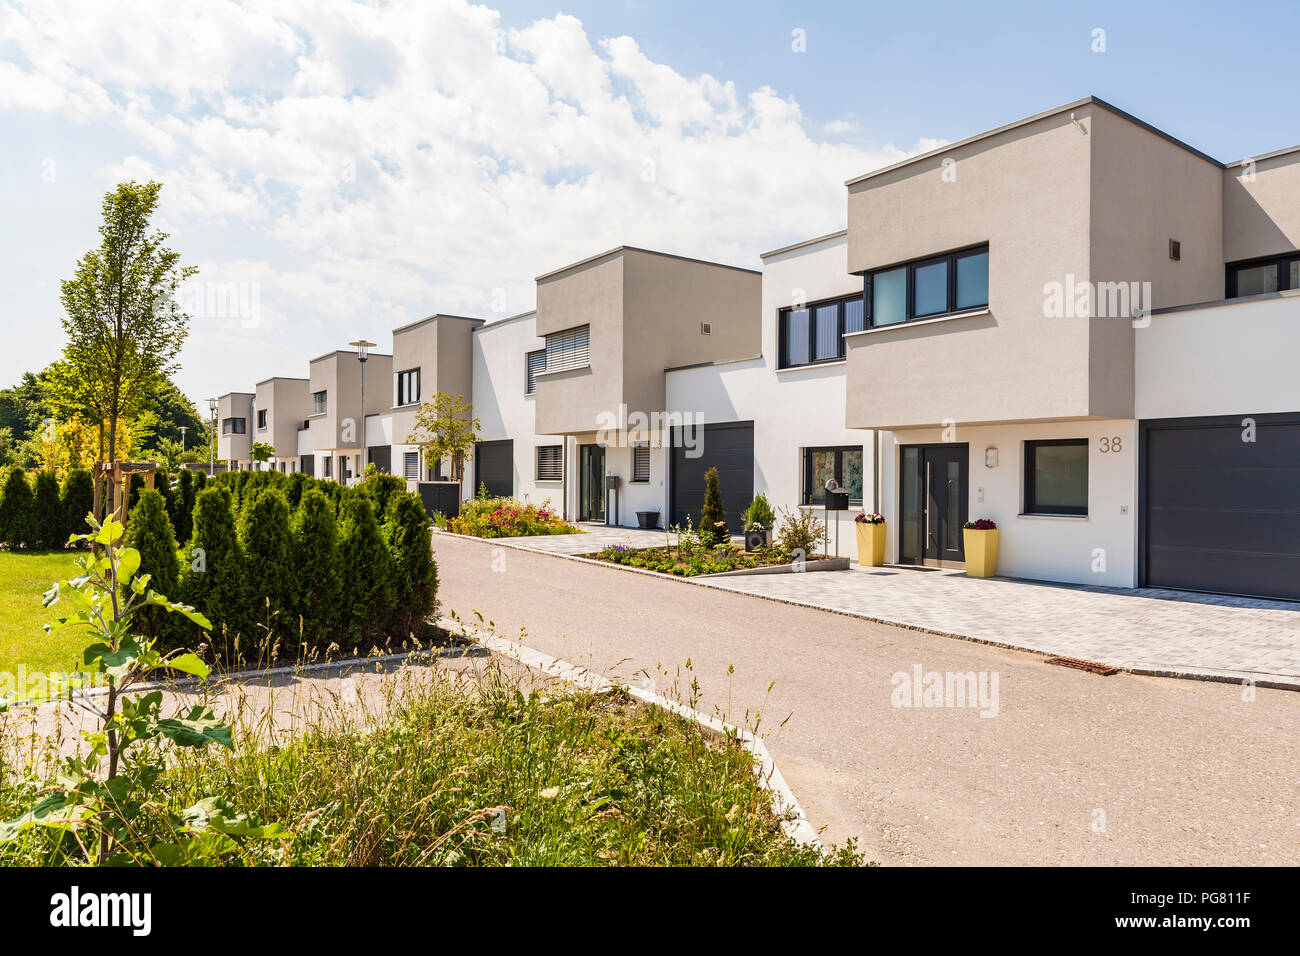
{"type": "Point", "coordinates": [688, 562]}
{"type": "Point", "coordinates": [507, 518]}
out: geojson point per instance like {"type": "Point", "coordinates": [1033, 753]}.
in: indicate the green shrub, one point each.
{"type": "Point", "coordinates": [713, 519]}
{"type": "Point", "coordinates": [264, 537]}
{"type": "Point", "coordinates": [47, 518]}
{"type": "Point", "coordinates": [366, 572]}
{"type": "Point", "coordinates": [76, 500]}
{"type": "Point", "coordinates": [149, 531]}
{"type": "Point", "coordinates": [315, 544]}
{"type": "Point", "coordinates": [135, 485]}
{"type": "Point", "coordinates": [213, 580]}
{"type": "Point", "coordinates": [200, 482]}
{"type": "Point", "coordinates": [759, 514]}
{"type": "Point", "coordinates": [485, 517]}
{"type": "Point", "coordinates": [406, 530]}
{"type": "Point", "coordinates": [17, 511]}
{"type": "Point", "coordinates": [802, 532]}
{"type": "Point", "coordinates": [380, 489]}
{"type": "Point", "coordinates": [183, 518]}
{"type": "Point", "coordinates": [294, 488]}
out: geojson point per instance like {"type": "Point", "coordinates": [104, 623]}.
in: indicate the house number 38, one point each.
{"type": "Point", "coordinates": [1109, 445]}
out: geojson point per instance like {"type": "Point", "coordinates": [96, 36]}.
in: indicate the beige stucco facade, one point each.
{"type": "Point", "coordinates": [338, 375]}
{"type": "Point", "coordinates": [1261, 206]}
{"type": "Point", "coordinates": [233, 446]}
{"type": "Point", "coordinates": [287, 404]}
{"type": "Point", "coordinates": [441, 348]}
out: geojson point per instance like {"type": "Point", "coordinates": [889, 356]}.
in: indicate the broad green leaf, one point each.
{"type": "Point", "coordinates": [188, 664]}
{"type": "Point", "coordinates": [128, 562]}
{"type": "Point", "coordinates": [198, 729]}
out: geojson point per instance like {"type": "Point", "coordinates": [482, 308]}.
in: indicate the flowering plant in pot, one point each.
{"type": "Point", "coordinates": [980, 538]}
{"type": "Point", "coordinates": [871, 531]}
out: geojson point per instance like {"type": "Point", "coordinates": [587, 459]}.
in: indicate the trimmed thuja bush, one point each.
{"type": "Point", "coordinates": [183, 505]}
{"type": "Point", "coordinates": [76, 500]}
{"type": "Point", "coordinates": [47, 523]}
{"type": "Point", "coordinates": [149, 531]}
{"type": "Point", "coordinates": [315, 543]}
{"type": "Point", "coordinates": [213, 580]}
{"type": "Point", "coordinates": [381, 489]}
{"type": "Point", "coordinates": [17, 507]}
{"type": "Point", "coordinates": [406, 530]}
{"type": "Point", "coordinates": [366, 572]}
{"type": "Point", "coordinates": [713, 519]}
{"type": "Point", "coordinates": [264, 536]}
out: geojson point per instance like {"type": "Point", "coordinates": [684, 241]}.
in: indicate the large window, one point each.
{"type": "Point", "coordinates": [411, 465]}
{"type": "Point", "coordinates": [1276, 274]}
{"type": "Point", "coordinates": [815, 333]}
{"type": "Point", "coordinates": [536, 362]}
{"type": "Point", "coordinates": [234, 426]}
{"type": "Point", "coordinates": [641, 463]}
{"type": "Point", "coordinates": [261, 419]}
{"type": "Point", "coordinates": [927, 288]}
{"type": "Point", "coordinates": [844, 464]}
{"type": "Point", "coordinates": [550, 463]}
{"type": "Point", "coordinates": [408, 387]}
{"type": "Point", "coordinates": [319, 403]}
{"type": "Point", "coordinates": [567, 349]}
{"type": "Point", "coordinates": [1056, 477]}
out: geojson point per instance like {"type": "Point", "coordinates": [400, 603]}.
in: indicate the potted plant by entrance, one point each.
{"type": "Point", "coordinates": [981, 540]}
{"type": "Point", "coordinates": [647, 519]}
{"type": "Point", "coordinates": [871, 539]}
{"type": "Point", "coordinates": [758, 524]}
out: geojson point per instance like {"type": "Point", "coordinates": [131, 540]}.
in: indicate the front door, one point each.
{"type": "Point", "coordinates": [591, 483]}
{"type": "Point", "coordinates": [933, 502]}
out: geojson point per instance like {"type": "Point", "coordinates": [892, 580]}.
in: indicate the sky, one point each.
{"type": "Point", "coordinates": [335, 169]}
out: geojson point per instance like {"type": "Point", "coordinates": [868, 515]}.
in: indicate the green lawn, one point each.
{"type": "Point", "coordinates": [23, 579]}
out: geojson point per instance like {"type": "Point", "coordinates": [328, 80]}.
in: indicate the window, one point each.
{"type": "Point", "coordinates": [568, 349]}
{"type": "Point", "coordinates": [408, 387]}
{"type": "Point", "coordinates": [1258, 276]}
{"type": "Point", "coordinates": [550, 463]}
{"type": "Point", "coordinates": [261, 419]}
{"type": "Point", "coordinates": [928, 287]}
{"type": "Point", "coordinates": [411, 465]}
{"type": "Point", "coordinates": [327, 464]}
{"type": "Point", "coordinates": [536, 362]}
{"type": "Point", "coordinates": [1056, 477]}
{"type": "Point", "coordinates": [234, 426]}
{"type": "Point", "coordinates": [815, 333]}
{"type": "Point", "coordinates": [844, 464]}
{"type": "Point", "coordinates": [641, 463]}
{"type": "Point", "coordinates": [318, 403]}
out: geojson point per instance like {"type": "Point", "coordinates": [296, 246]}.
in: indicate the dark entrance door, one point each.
{"type": "Point", "coordinates": [933, 503]}
{"type": "Point", "coordinates": [494, 467]}
{"type": "Point", "coordinates": [591, 483]}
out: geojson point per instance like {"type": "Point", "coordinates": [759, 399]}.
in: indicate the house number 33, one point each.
{"type": "Point", "coordinates": [1109, 445]}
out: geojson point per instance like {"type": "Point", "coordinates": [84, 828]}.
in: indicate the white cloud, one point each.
{"type": "Point", "coordinates": [365, 164]}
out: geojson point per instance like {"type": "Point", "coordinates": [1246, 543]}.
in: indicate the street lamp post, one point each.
{"type": "Point", "coordinates": [363, 348]}
{"type": "Point", "coordinates": [212, 443]}
{"type": "Point", "coordinates": [184, 429]}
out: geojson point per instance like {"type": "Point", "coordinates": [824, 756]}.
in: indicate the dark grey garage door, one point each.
{"type": "Point", "coordinates": [1222, 513]}
{"type": "Point", "coordinates": [494, 466]}
{"type": "Point", "coordinates": [729, 447]}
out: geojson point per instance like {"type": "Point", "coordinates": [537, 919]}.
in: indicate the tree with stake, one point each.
{"type": "Point", "coordinates": [446, 427]}
{"type": "Point", "coordinates": [123, 324]}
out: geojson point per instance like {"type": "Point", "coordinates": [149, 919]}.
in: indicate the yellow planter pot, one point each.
{"type": "Point", "coordinates": [981, 553]}
{"type": "Point", "coordinates": [871, 544]}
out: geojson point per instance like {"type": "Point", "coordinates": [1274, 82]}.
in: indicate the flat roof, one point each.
{"type": "Point", "coordinates": [496, 323]}
{"type": "Point", "coordinates": [619, 250]}
{"type": "Point", "coordinates": [1263, 156]}
{"type": "Point", "coordinates": [1086, 101]}
{"type": "Point", "coordinates": [436, 315]}
{"type": "Point", "coordinates": [283, 378]}
{"type": "Point", "coordinates": [348, 352]}
{"type": "Point", "coordinates": [838, 234]}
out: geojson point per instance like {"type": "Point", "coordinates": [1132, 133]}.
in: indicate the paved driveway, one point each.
{"type": "Point", "coordinates": [1074, 768]}
{"type": "Point", "coordinates": [1146, 630]}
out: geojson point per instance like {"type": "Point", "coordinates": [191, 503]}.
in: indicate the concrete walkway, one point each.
{"type": "Point", "coordinates": [1144, 630]}
{"type": "Point", "coordinates": [1071, 769]}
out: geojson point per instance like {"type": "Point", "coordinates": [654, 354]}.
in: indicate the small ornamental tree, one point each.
{"type": "Point", "coordinates": [17, 520]}
{"type": "Point", "coordinates": [315, 542]}
{"type": "Point", "coordinates": [47, 518]}
{"type": "Point", "coordinates": [365, 571]}
{"type": "Point", "coordinates": [76, 499]}
{"type": "Point", "coordinates": [264, 537]}
{"type": "Point", "coordinates": [149, 531]}
{"type": "Point", "coordinates": [445, 427]}
{"type": "Point", "coordinates": [262, 451]}
{"type": "Point", "coordinates": [183, 511]}
{"type": "Point", "coordinates": [713, 519]}
{"type": "Point", "coordinates": [406, 530]}
{"type": "Point", "coordinates": [213, 578]}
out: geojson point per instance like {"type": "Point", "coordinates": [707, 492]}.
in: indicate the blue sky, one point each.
{"type": "Point", "coordinates": [350, 168]}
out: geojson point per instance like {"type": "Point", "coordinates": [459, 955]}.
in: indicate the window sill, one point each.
{"type": "Point", "coordinates": [398, 408]}
{"type": "Point", "coordinates": [1031, 514]}
{"type": "Point", "coordinates": [812, 365]}
{"type": "Point", "coordinates": [969, 314]}
{"type": "Point", "coordinates": [548, 481]}
{"type": "Point", "coordinates": [558, 371]}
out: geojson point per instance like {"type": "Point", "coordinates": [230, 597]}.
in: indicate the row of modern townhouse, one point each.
{"type": "Point", "coordinates": [1074, 325]}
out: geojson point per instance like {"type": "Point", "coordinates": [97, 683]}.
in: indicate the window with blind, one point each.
{"type": "Point", "coordinates": [641, 463]}
{"type": "Point", "coordinates": [814, 334]}
{"type": "Point", "coordinates": [567, 349]}
{"type": "Point", "coordinates": [411, 465]}
{"type": "Point", "coordinates": [550, 463]}
{"type": "Point", "coordinates": [927, 288]}
{"type": "Point", "coordinates": [536, 362]}
{"type": "Point", "coordinates": [318, 402]}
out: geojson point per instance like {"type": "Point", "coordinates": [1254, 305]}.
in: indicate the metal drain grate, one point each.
{"type": "Point", "coordinates": [1092, 667]}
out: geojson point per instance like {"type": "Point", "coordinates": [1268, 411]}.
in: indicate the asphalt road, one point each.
{"type": "Point", "coordinates": [1072, 769]}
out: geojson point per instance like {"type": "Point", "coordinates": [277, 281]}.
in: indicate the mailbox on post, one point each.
{"type": "Point", "coordinates": [837, 499]}
{"type": "Point", "coordinates": [612, 483]}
